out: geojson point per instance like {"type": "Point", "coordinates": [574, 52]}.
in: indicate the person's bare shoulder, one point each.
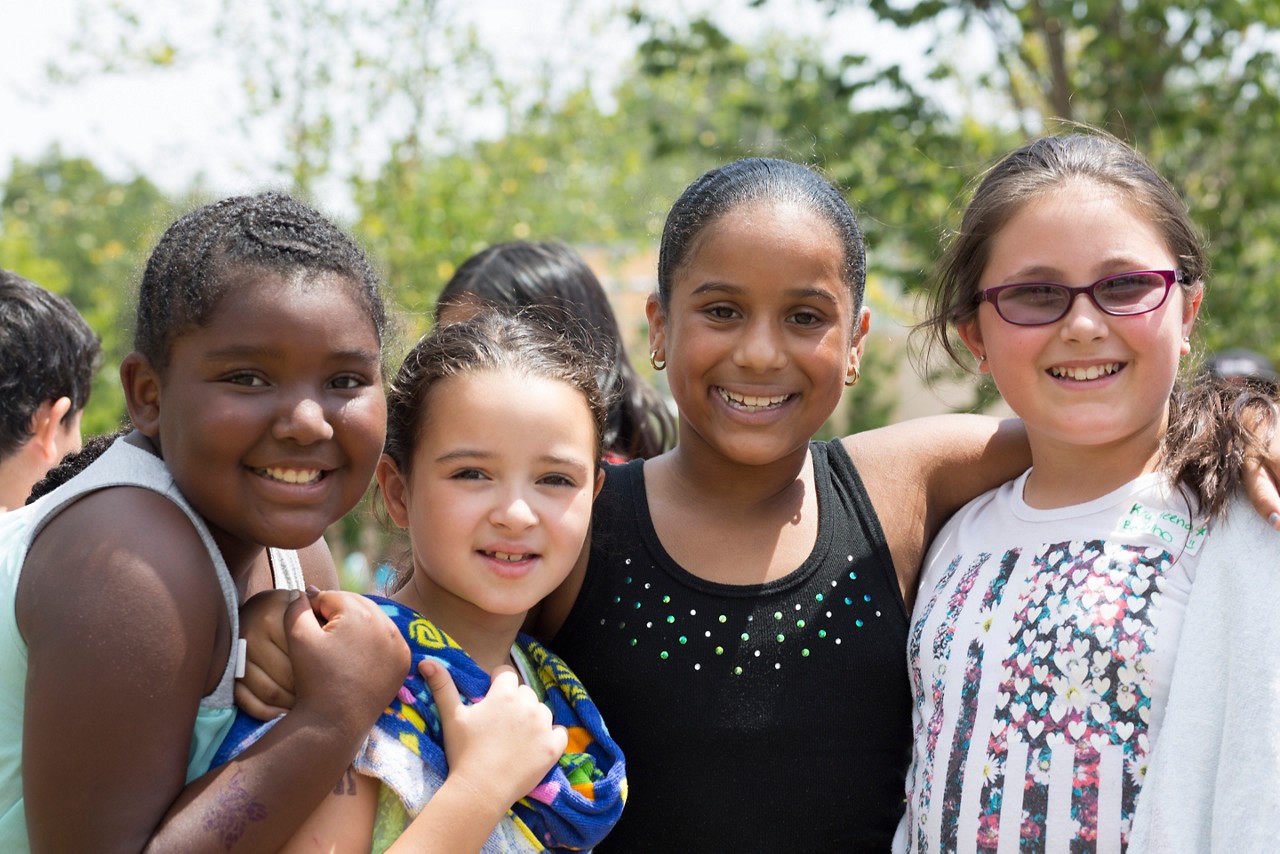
{"type": "Point", "coordinates": [127, 630]}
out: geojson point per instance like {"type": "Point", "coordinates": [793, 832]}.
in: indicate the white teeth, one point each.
{"type": "Point", "coordinates": [752, 403]}
{"type": "Point", "coordinates": [509, 557]}
{"type": "Point", "coordinates": [292, 475]}
{"type": "Point", "coordinates": [1090, 373]}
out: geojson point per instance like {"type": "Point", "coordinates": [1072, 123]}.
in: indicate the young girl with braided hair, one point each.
{"type": "Point", "coordinates": [256, 396]}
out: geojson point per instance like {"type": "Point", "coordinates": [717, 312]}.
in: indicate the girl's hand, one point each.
{"type": "Point", "coordinates": [1260, 471]}
{"type": "Point", "coordinates": [348, 657]}
{"type": "Point", "coordinates": [500, 747]}
{"type": "Point", "coordinates": [266, 689]}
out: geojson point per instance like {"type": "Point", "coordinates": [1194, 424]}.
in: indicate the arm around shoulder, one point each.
{"type": "Point", "coordinates": [919, 472]}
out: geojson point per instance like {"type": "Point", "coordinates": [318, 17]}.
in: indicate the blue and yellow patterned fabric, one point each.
{"type": "Point", "coordinates": [573, 807]}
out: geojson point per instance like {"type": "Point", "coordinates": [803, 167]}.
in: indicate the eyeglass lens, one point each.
{"type": "Point", "coordinates": [1132, 293]}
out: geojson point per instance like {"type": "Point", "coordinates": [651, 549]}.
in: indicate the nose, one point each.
{"type": "Point", "coordinates": [1084, 321]}
{"type": "Point", "coordinates": [513, 511]}
{"type": "Point", "coordinates": [759, 347]}
{"type": "Point", "coordinates": [303, 420]}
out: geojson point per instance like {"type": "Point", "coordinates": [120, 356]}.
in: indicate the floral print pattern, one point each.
{"type": "Point", "coordinates": [1047, 727]}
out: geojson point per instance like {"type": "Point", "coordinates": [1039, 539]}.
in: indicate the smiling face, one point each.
{"type": "Point", "coordinates": [497, 509]}
{"type": "Point", "coordinates": [1089, 379]}
{"type": "Point", "coordinates": [270, 417]}
{"type": "Point", "coordinates": [758, 335]}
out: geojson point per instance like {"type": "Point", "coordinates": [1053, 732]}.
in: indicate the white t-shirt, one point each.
{"type": "Point", "coordinates": [1041, 648]}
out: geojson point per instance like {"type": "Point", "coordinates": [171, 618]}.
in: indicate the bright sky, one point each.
{"type": "Point", "coordinates": [176, 124]}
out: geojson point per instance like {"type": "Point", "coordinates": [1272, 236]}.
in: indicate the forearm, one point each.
{"type": "Point", "coordinates": [259, 800]}
{"type": "Point", "coordinates": [459, 817]}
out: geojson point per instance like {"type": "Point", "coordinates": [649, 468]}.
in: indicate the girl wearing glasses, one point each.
{"type": "Point", "coordinates": [1069, 622]}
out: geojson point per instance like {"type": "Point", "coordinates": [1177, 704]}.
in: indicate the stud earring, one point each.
{"type": "Point", "coordinates": [982, 357]}
{"type": "Point", "coordinates": [853, 377]}
{"type": "Point", "coordinates": [658, 364]}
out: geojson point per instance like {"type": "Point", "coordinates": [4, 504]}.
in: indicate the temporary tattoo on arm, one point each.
{"type": "Point", "coordinates": [346, 783]}
{"type": "Point", "coordinates": [230, 818]}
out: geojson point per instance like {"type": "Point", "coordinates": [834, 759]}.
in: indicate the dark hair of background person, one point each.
{"type": "Point", "coordinates": [47, 352]}
{"type": "Point", "coordinates": [554, 277]}
{"type": "Point", "coordinates": [191, 266]}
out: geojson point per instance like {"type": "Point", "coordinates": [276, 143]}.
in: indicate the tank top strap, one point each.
{"type": "Point", "coordinates": [286, 569]}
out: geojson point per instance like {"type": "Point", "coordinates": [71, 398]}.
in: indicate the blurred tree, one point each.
{"type": "Point", "coordinates": [66, 226]}
{"type": "Point", "coordinates": [1194, 85]}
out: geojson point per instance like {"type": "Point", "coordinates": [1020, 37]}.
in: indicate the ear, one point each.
{"type": "Point", "coordinates": [141, 382]}
{"type": "Point", "coordinates": [657, 326]}
{"type": "Point", "coordinates": [395, 490]}
{"type": "Point", "coordinates": [595, 492]}
{"type": "Point", "coordinates": [1190, 311]}
{"type": "Point", "coordinates": [46, 429]}
{"type": "Point", "coordinates": [970, 332]}
{"type": "Point", "coordinates": [860, 330]}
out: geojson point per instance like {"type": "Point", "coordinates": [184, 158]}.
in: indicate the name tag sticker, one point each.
{"type": "Point", "coordinates": [1173, 529]}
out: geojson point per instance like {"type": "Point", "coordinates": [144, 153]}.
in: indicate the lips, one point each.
{"type": "Point", "coordinates": [752, 403]}
{"type": "Point", "coordinates": [1092, 372]}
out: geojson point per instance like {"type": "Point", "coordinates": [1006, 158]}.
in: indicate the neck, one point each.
{"type": "Point", "coordinates": [1065, 474]}
{"type": "Point", "coordinates": [17, 476]}
{"type": "Point", "coordinates": [710, 478]}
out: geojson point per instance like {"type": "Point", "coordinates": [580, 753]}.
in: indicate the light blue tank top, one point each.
{"type": "Point", "coordinates": [123, 464]}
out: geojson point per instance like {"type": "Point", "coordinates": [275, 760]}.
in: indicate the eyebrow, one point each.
{"type": "Point", "coordinates": [1052, 275]}
{"type": "Point", "coordinates": [247, 351]}
{"type": "Point", "coordinates": [462, 454]}
{"type": "Point", "coordinates": [736, 290]}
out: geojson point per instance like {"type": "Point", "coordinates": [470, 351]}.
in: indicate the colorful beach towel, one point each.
{"type": "Point", "coordinates": [574, 806]}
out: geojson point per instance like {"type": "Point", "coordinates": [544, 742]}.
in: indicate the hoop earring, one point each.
{"type": "Point", "coordinates": [853, 377]}
{"type": "Point", "coordinates": [658, 364]}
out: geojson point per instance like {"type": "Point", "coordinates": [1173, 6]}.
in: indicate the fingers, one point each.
{"type": "Point", "coordinates": [1259, 484]}
{"type": "Point", "coordinates": [266, 691]}
{"type": "Point", "coordinates": [299, 619]}
{"type": "Point", "coordinates": [509, 728]}
{"type": "Point", "coordinates": [256, 701]}
{"type": "Point", "coordinates": [443, 691]}
{"type": "Point", "coordinates": [559, 739]}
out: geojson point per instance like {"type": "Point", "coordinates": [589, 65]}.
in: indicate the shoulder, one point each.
{"type": "Point", "coordinates": [317, 565]}
{"type": "Point", "coordinates": [113, 556]}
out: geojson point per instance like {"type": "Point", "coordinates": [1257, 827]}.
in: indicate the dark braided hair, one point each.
{"type": "Point", "coordinates": [74, 463]}
{"type": "Point", "coordinates": [521, 274]}
{"type": "Point", "coordinates": [187, 273]}
{"type": "Point", "coordinates": [759, 179]}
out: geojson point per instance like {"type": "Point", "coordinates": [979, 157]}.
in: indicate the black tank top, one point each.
{"type": "Point", "coordinates": [764, 717]}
